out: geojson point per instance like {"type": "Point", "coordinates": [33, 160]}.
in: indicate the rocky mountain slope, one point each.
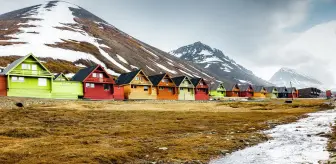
{"type": "Point", "coordinates": [218, 63]}
{"type": "Point", "coordinates": [285, 75]}
{"type": "Point", "coordinates": [61, 30]}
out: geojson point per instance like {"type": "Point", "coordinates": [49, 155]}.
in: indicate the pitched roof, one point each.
{"type": "Point", "coordinates": [215, 85]}
{"type": "Point", "coordinates": [258, 88]}
{"type": "Point", "coordinates": [229, 86]}
{"type": "Point", "coordinates": [270, 89]}
{"type": "Point", "coordinates": [127, 78]}
{"type": "Point", "coordinates": [282, 89]}
{"type": "Point", "coordinates": [83, 73]}
{"type": "Point", "coordinates": [60, 74]}
{"type": "Point", "coordinates": [244, 87]}
{"type": "Point", "coordinates": [195, 81]}
{"type": "Point", "coordinates": [155, 79]}
{"type": "Point", "coordinates": [20, 60]}
{"type": "Point", "coordinates": [179, 80]}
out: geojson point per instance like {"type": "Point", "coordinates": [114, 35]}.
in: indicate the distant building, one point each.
{"type": "Point", "coordinates": [309, 93]}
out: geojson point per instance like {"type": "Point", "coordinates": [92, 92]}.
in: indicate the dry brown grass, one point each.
{"type": "Point", "coordinates": [133, 132]}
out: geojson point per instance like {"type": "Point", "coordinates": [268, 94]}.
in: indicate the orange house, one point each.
{"type": "Point", "coordinates": [137, 86]}
{"type": "Point", "coordinates": [232, 90]}
{"type": "Point", "coordinates": [165, 87]}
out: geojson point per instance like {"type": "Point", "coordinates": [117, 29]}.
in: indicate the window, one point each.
{"type": "Point", "coordinates": [170, 89]}
{"type": "Point", "coordinates": [17, 79]}
{"type": "Point", "coordinates": [181, 89]}
{"type": "Point", "coordinates": [198, 89]}
{"type": "Point", "coordinates": [106, 87]}
{"type": "Point", "coordinates": [165, 80]}
{"type": "Point", "coordinates": [189, 90]}
{"type": "Point", "coordinates": [118, 87]}
{"type": "Point", "coordinates": [201, 83]}
{"type": "Point", "coordinates": [89, 85]}
{"type": "Point", "coordinates": [133, 86]}
{"type": "Point", "coordinates": [42, 82]}
{"type": "Point", "coordinates": [94, 74]}
{"type": "Point", "coordinates": [161, 88]}
{"type": "Point", "coordinates": [101, 75]}
{"type": "Point", "coordinates": [25, 66]}
{"type": "Point", "coordinates": [137, 78]}
{"type": "Point", "coordinates": [145, 88]}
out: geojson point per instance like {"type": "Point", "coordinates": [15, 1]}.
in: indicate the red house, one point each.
{"type": "Point", "coordinates": [246, 90]}
{"type": "Point", "coordinates": [98, 84]}
{"type": "Point", "coordinates": [201, 89]}
{"type": "Point", "coordinates": [292, 92]}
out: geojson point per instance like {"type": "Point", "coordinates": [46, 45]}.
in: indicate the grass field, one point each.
{"type": "Point", "coordinates": [139, 132]}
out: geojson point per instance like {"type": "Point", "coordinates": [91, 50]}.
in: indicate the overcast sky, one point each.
{"type": "Point", "coordinates": [249, 31]}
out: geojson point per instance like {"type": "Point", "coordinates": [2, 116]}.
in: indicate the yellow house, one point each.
{"type": "Point", "coordinates": [137, 86]}
{"type": "Point", "coordinates": [259, 92]}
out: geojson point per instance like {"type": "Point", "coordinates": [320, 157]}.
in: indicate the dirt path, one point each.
{"type": "Point", "coordinates": [299, 142]}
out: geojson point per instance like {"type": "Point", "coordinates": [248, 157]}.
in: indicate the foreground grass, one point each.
{"type": "Point", "coordinates": [80, 135]}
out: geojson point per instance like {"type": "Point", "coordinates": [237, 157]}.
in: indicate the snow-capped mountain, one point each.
{"type": "Point", "coordinates": [286, 75]}
{"type": "Point", "coordinates": [218, 63]}
{"type": "Point", "coordinates": [61, 30]}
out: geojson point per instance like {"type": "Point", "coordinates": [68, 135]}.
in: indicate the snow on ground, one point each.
{"type": "Point", "coordinates": [166, 69]}
{"type": "Point", "coordinates": [134, 67]}
{"type": "Point", "coordinates": [207, 66]}
{"type": "Point", "coordinates": [122, 59]}
{"type": "Point", "coordinates": [225, 69]}
{"type": "Point", "coordinates": [105, 46]}
{"type": "Point", "coordinates": [150, 68]}
{"type": "Point", "coordinates": [211, 59]}
{"type": "Point", "coordinates": [227, 65]}
{"type": "Point", "coordinates": [149, 52]}
{"type": "Point", "coordinates": [292, 143]}
{"type": "Point", "coordinates": [170, 63]}
{"type": "Point", "coordinates": [49, 35]}
{"type": "Point", "coordinates": [206, 53]}
{"type": "Point", "coordinates": [80, 65]}
{"type": "Point", "coordinates": [69, 75]}
{"type": "Point", "coordinates": [243, 81]}
{"type": "Point", "coordinates": [186, 73]}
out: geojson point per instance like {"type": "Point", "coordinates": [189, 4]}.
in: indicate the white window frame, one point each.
{"type": "Point", "coordinates": [42, 82]}
{"type": "Point", "coordinates": [101, 75]}
{"type": "Point", "coordinates": [25, 66]}
{"type": "Point", "coordinates": [146, 88]}
{"type": "Point", "coordinates": [137, 78]}
{"type": "Point", "coordinates": [14, 78]}
{"type": "Point", "coordinates": [94, 74]}
{"type": "Point", "coordinates": [92, 85]}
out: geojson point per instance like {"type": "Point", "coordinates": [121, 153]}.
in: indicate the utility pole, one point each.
{"type": "Point", "coordinates": [292, 90]}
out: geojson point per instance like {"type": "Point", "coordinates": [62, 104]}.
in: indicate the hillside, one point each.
{"type": "Point", "coordinates": [61, 30]}
{"type": "Point", "coordinates": [285, 75]}
{"type": "Point", "coordinates": [218, 63]}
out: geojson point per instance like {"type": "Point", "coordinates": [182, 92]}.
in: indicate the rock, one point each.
{"type": "Point", "coordinates": [224, 151]}
{"type": "Point", "coordinates": [308, 135]}
{"type": "Point", "coordinates": [163, 148]}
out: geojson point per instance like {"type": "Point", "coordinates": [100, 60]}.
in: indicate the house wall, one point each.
{"type": "Point", "coordinates": [118, 93]}
{"type": "Point", "coordinates": [67, 89]}
{"type": "Point", "coordinates": [98, 92]}
{"type": "Point", "coordinates": [29, 88]}
{"type": "Point", "coordinates": [201, 94]}
{"type": "Point", "coordinates": [19, 70]}
{"type": "Point", "coordinates": [246, 94]}
{"type": "Point", "coordinates": [272, 95]}
{"type": "Point", "coordinates": [139, 93]}
{"type": "Point", "coordinates": [294, 95]}
{"type": "Point", "coordinates": [185, 93]}
{"type": "Point", "coordinates": [282, 95]}
{"type": "Point", "coordinates": [234, 93]}
{"type": "Point", "coordinates": [166, 94]}
{"type": "Point", "coordinates": [216, 94]}
{"type": "Point", "coordinates": [259, 94]}
{"type": "Point", "coordinates": [3, 86]}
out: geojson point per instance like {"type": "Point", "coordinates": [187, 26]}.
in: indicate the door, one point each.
{"type": "Point", "coordinates": [34, 69]}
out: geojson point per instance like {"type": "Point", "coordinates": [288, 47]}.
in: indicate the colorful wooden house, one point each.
{"type": "Point", "coordinates": [62, 88]}
{"type": "Point", "coordinates": [246, 90]}
{"type": "Point", "coordinates": [259, 92]}
{"type": "Point", "coordinates": [292, 92]}
{"type": "Point", "coordinates": [165, 87]}
{"type": "Point", "coordinates": [309, 93]}
{"type": "Point", "coordinates": [232, 90]}
{"type": "Point", "coordinates": [98, 84]}
{"type": "Point", "coordinates": [3, 85]}
{"type": "Point", "coordinates": [282, 92]}
{"type": "Point", "coordinates": [185, 88]}
{"type": "Point", "coordinates": [137, 86]}
{"type": "Point", "coordinates": [272, 92]}
{"type": "Point", "coordinates": [28, 77]}
{"type": "Point", "coordinates": [201, 89]}
{"type": "Point", "coordinates": [217, 91]}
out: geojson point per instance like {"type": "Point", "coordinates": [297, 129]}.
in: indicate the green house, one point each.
{"type": "Point", "coordinates": [63, 88]}
{"type": "Point", "coordinates": [217, 91]}
{"type": "Point", "coordinates": [27, 77]}
{"type": "Point", "coordinates": [272, 92]}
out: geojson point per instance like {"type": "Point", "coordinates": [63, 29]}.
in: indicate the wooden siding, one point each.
{"type": "Point", "coordinates": [67, 89]}
{"type": "Point", "coordinates": [259, 94]}
{"type": "Point", "coordinates": [185, 93]}
{"type": "Point", "coordinates": [139, 93]}
{"type": "Point", "coordinates": [233, 93]}
{"type": "Point", "coordinates": [202, 91]}
{"type": "Point", "coordinates": [98, 92]}
{"type": "Point", "coordinates": [167, 93]}
{"type": "Point", "coordinates": [3, 86]}
{"type": "Point", "coordinates": [118, 93]}
{"type": "Point", "coordinates": [29, 88]}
